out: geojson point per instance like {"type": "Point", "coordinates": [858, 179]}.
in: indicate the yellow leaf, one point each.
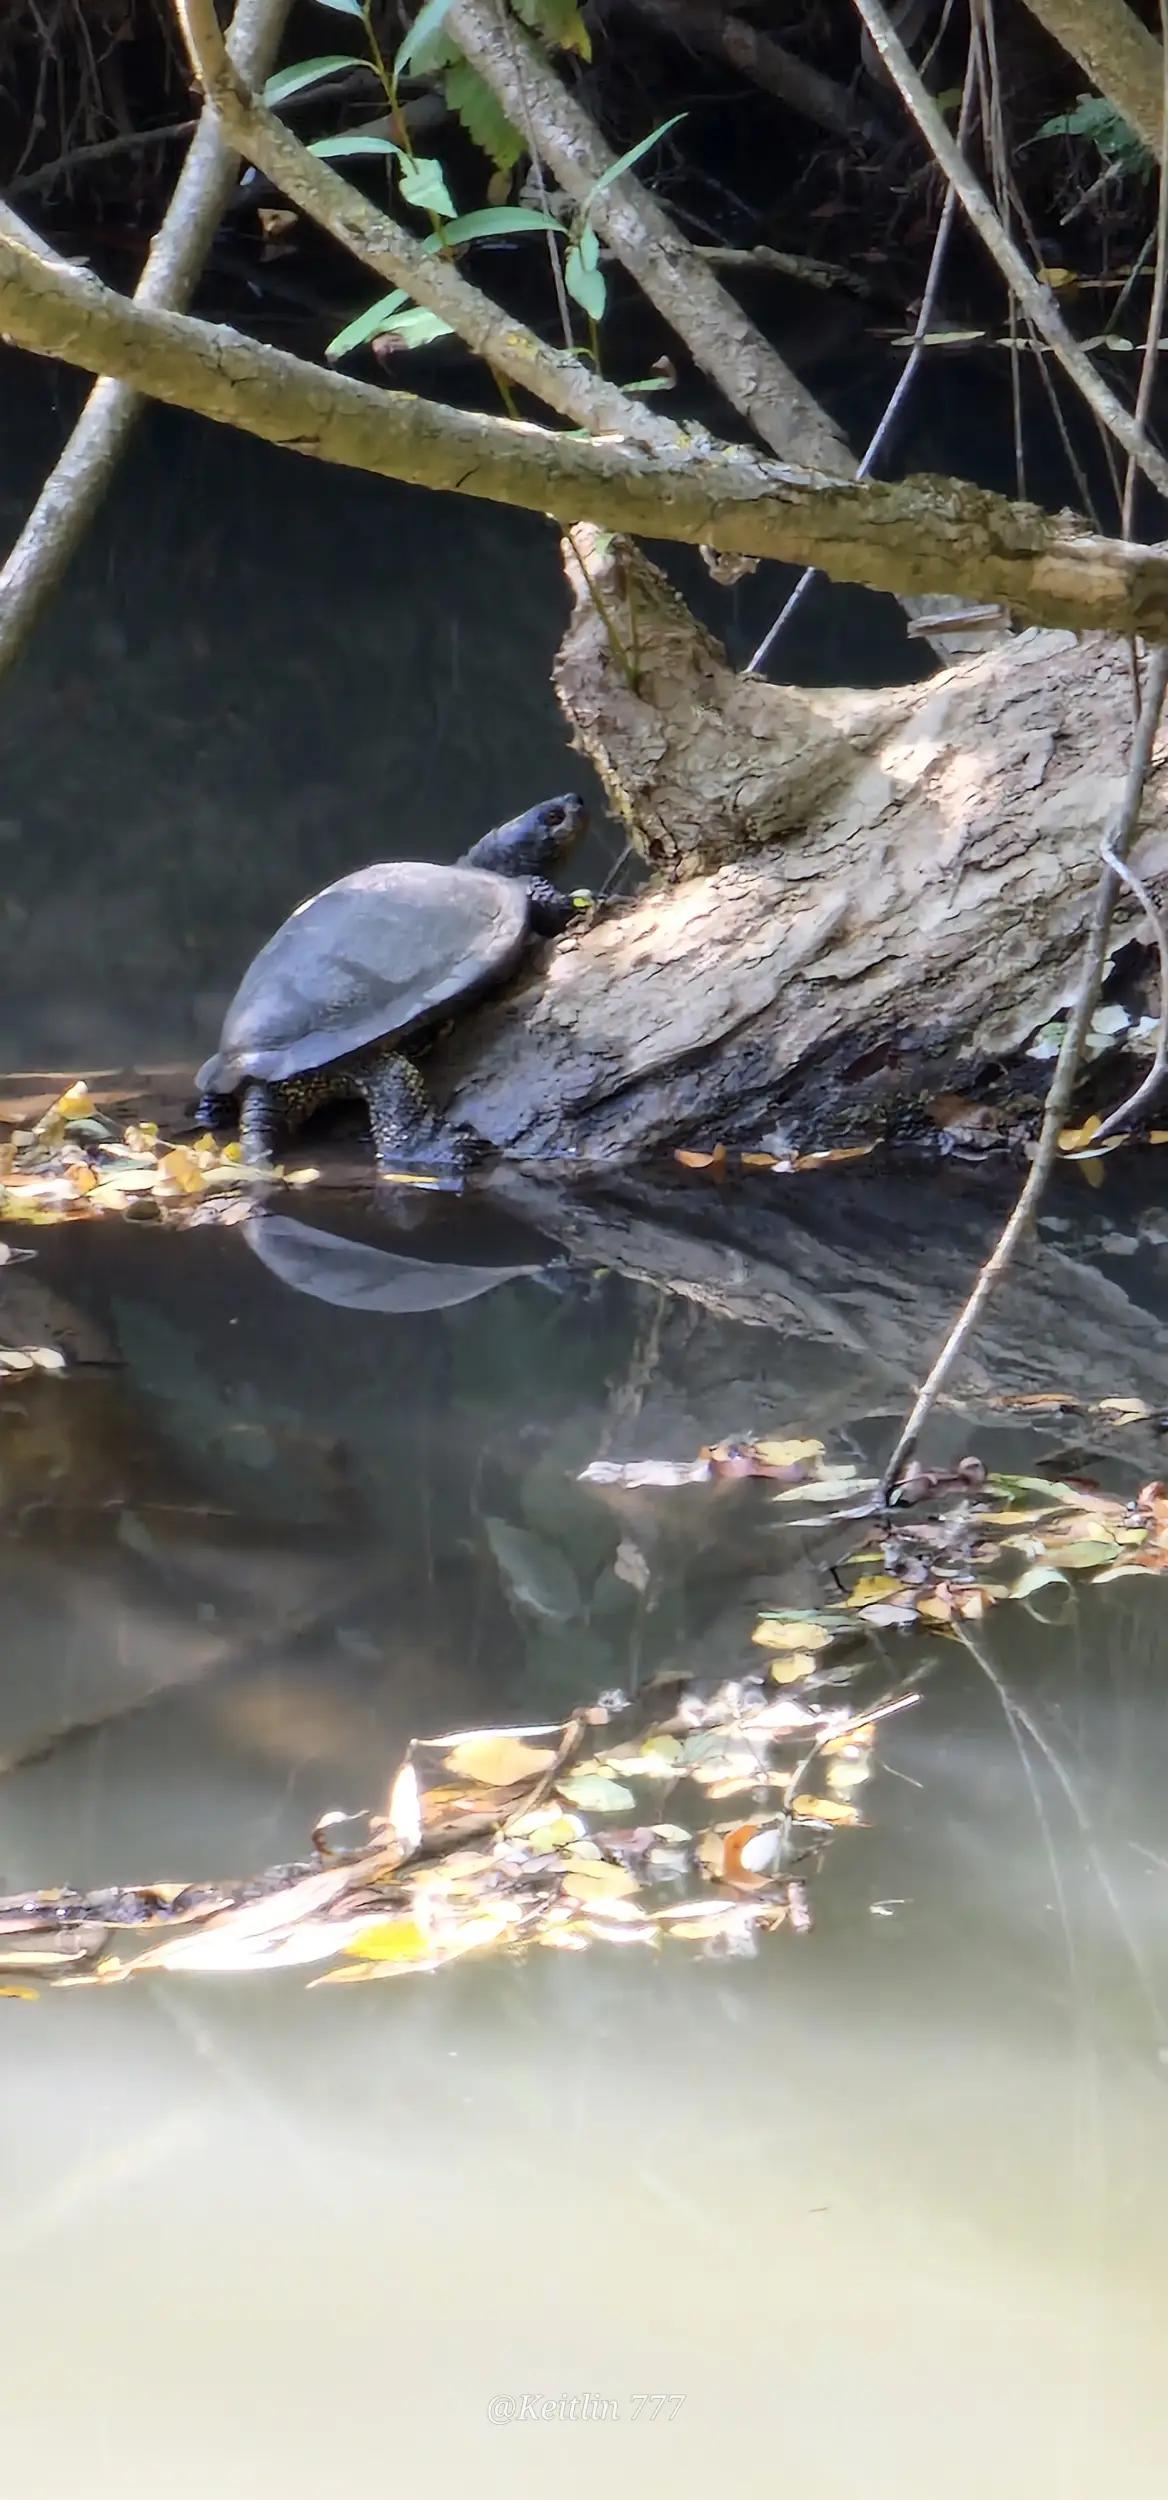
{"type": "Point", "coordinates": [791, 1666]}
{"type": "Point", "coordinates": [935, 1609]}
{"type": "Point", "coordinates": [876, 1584]}
{"type": "Point", "coordinates": [832, 1154]}
{"type": "Point", "coordinates": [182, 1166]}
{"type": "Point", "coordinates": [824, 1810]}
{"type": "Point", "coordinates": [76, 1103]}
{"type": "Point", "coordinates": [1059, 277]}
{"type": "Point", "coordinates": [787, 1453]}
{"type": "Point", "coordinates": [498, 1761]}
{"type": "Point", "coordinates": [847, 1774]}
{"type": "Point", "coordinates": [596, 1879]}
{"type": "Point", "coordinates": [392, 1940]}
{"type": "Point", "coordinates": [802, 1636]}
{"type": "Point", "coordinates": [1071, 1139]}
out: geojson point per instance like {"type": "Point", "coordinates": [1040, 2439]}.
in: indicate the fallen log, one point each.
{"type": "Point", "coordinates": [857, 898]}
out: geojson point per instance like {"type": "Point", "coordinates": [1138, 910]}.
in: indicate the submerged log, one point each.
{"type": "Point", "coordinates": [857, 898]}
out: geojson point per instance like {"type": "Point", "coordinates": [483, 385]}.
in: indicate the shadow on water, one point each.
{"type": "Point", "coordinates": [310, 1487]}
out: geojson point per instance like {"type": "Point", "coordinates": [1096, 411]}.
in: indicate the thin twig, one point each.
{"type": "Point", "coordinates": [881, 437]}
{"type": "Point", "coordinates": [128, 142]}
{"type": "Point", "coordinates": [1034, 297]}
{"type": "Point", "coordinates": [1058, 1101]}
{"type": "Point", "coordinates": [1149, 1086]}
{"type": "Point", "coordinates": [74, 489]}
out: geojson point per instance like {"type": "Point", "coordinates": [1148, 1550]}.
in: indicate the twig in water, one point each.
{"type": "Point", "coordinates": [1058, 1101]}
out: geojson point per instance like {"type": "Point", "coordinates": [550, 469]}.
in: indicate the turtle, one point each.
{"type": "Point", "coordinates": [375, 960]}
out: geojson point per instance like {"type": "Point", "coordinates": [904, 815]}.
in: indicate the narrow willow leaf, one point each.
{"type": "Point", "coordinates": [482, 222]}
{"type": "Point", "coordinates": [415, 328]}
{"type": "Point", "coordinates": [367, 325]}
{"type": "Point", "coordinates": [586, 286]}
{"type": "Point", "coordinates": [426, 23]}
{"type": "Point", "coordinates": [353, 143]}
{"type": "Point", "coordinates": [632, 156]}
{"type": "Point", "coordinates": [423, 184]}
{"type": "Point", "coordinates": [288, 82]}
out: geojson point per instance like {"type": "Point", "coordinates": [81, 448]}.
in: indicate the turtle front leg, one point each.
{"type": "Point", "coordinates": [406, 1128]}
{"type": "Point", "coordinates": [550, 910]}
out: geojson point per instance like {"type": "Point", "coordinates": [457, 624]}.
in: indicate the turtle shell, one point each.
{"type": "Point", "coordinates": [372, 958]}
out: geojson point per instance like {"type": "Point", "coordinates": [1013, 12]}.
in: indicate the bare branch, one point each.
{"type": "Point", "coordinates": [1035, 298]}
{"type": "Point", "coordinates": [722, 340]}
{"type": "Point", "coordinates": [921, 535]}
{"type": "Point", "coordinates": [72, 493]}
{"type": "Point", "coordinates": [561, 381]}
{"type": "Point", "coordinates": [768, 64]}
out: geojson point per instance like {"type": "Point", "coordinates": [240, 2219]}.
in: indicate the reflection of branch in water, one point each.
{"type": "Point", "coordinates": [1020, 1721]}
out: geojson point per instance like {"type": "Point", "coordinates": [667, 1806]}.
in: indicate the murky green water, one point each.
{"type": "Point", "coordinates": [884, 2205]}
{"type": "Point", "coordinates": [879, 2212]}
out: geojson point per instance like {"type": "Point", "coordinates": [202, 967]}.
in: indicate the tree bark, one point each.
{"type": "Point", "coordinates": [926, 534]}
{"type": "Point", "coordinates": [868, 896]}
{"type": "Point", "coordinates": [1119, 55]}
{"type": "Point", "coordinates": [72, 493]}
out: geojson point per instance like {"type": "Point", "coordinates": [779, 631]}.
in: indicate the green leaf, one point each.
{"type": "Point", "coordinates": [487, 221]}
{"type": "Point", "coordinates": [596, 1794]}
{"type": "Point", "coordinates": [1094, 118]}
{"type": "Point", "coordinates": [423, 184]}
{"type": "Point", "coordinates": [353, 143]}
{"type": "Point", "coordinates": [559, 22]}
{"type": "Point", "coordinates": [426, 23]}
{"type": "Point", "coordinates": [308, 74]}
{"type": "Point", "coordinates": [414, 328]}
{"type": "Point", "coordinates": [657, 382]}
{"type": "Point", "coordinates": [632, 156]}
{"type": "Point", "coordinates": [344, 8]}
{"type": "Point", "coordinates": [368, 325]}
{"type": "Point", "coordinates": [1040, 1576]}
{"type": "Point", "coordinates": [482, 116]}
{"type": "Point", "coordinates": [585, 285]}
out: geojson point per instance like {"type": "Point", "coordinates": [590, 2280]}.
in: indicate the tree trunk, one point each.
{"type": "Point", "coordinates": [859, 898]}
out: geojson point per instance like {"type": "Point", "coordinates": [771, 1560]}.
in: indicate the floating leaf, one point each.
{"type": "Point", "coordinates": [595, 1794]}
{"type": "Point", "coordinates": [593, 1880]}
{"type": "Point", "coordinates": [392, 1940]}
{"type": "Point", "coordinates": [810, 1809]}
{"type": "Point", "coordinates": [793, 1635]}
{"type": "Point", "coordinates": [498, 1761]}
{"type": "Point", "coordinates": [787, 1453]}
{"type": "Point", "coordinates": [874, 1585]}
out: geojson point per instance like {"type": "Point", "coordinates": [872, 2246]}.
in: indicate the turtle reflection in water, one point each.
{"type": "Point", "coordinates": [372, 962]}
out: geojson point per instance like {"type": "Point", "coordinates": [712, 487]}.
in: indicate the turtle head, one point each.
{"type": "Point", "coordinates": [531, 845]}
